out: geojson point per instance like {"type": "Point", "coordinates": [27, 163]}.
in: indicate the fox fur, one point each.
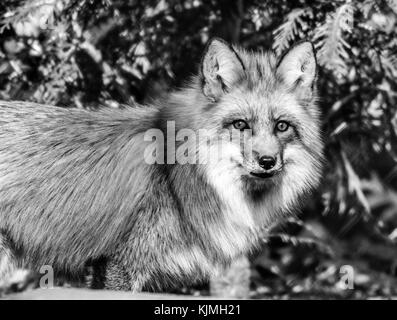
{"type": "Point", "coordinates": [75, 188]}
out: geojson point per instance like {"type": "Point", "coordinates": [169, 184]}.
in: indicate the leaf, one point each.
{"type": "Point", "coordinates": [289, 30]}
{"type": "Point", "coordinates": [31, 16]}
{"type": "Point", "coordinates": [389, 64]}
{"type": "Point", "coordinates": [330, 43]}
{"type": "Point", "coordinates": [393, 5]}
{"type": "Point", "coordinates": [354, 184]}
{"type": "Point", "coordinates": [299, 241]}
{"type": "Point", "coordinates": [368, 6]}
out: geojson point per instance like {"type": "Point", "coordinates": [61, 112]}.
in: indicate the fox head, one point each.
{"type": "Point", "coordinates": [261, 117]}
{"type": "Point", "coordinates": [265, 110]}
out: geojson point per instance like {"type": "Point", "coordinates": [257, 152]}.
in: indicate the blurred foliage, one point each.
{"type": "Point", "coordinates": [88, 53]}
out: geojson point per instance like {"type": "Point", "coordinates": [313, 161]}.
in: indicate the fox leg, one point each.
{"type": "Point", "coordinates": [8, 260]}
{"type": "Point", "coordinates": [117, 277]}
{"type": "Point", "coordinates": [12, 277]}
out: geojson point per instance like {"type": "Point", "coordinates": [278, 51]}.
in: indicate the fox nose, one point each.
{"type": "Point", "coordinates": [267, 162]}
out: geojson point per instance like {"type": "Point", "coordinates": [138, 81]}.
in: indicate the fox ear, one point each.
{"type": "Point", "coordinates": [221, 67]}
{"type": "Point", "coordinates": [298, 67]}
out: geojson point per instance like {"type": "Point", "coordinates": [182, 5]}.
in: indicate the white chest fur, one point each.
{"type": "Point", "coordinates": [235, 234]}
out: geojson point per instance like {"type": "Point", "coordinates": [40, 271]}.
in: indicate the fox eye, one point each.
{"type": "Point", "coordinates": [240, 124]}
{"type": "Point", "coordinates": [282, 126]}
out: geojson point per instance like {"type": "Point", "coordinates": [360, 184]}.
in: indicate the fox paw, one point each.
{"type": "Point", "coordinates": [20, 280]}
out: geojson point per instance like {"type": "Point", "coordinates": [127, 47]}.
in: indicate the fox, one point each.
{"type": "Point", "coordinates": [77, 187]}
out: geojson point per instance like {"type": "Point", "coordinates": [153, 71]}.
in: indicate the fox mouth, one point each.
{"type": "Point", "coordinates": [259, 174]}
{"type": "Point", "coordinates": [251, 171]}
{"type": "Point", "coordinates": [262, 175]}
